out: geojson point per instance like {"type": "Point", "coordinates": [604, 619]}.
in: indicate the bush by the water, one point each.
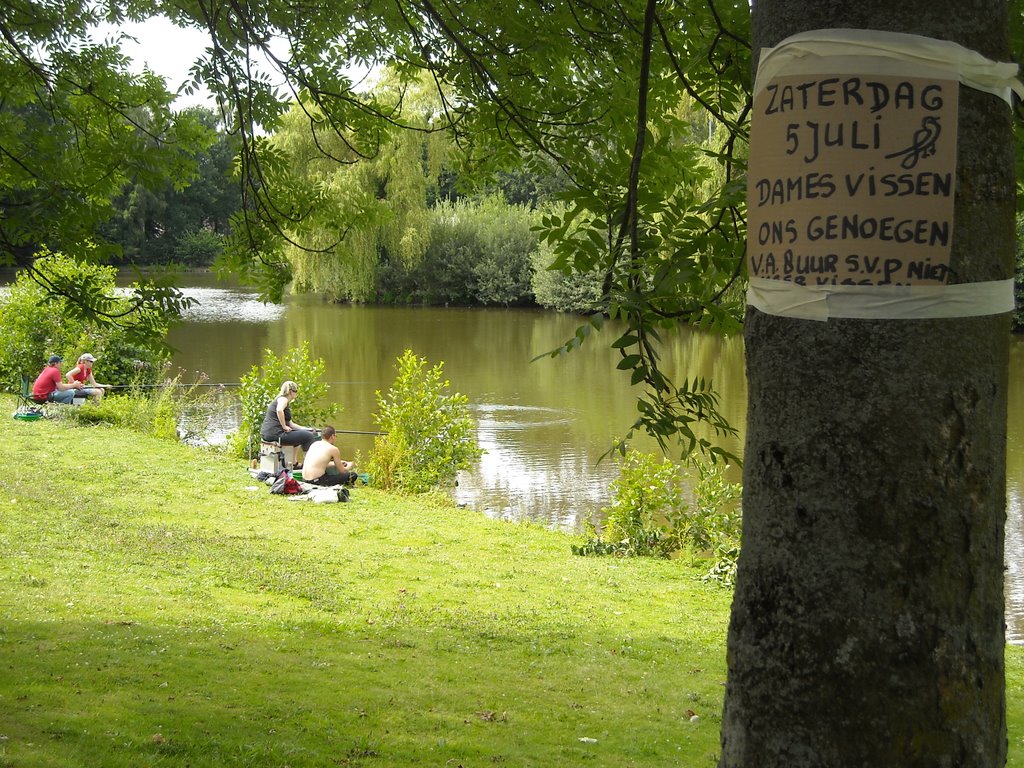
{"type": "Point", "coordinates": [263, 383]}
{"type": "Point", "coordinates": [429, 434]}
{"type": "Point", "coordinates": [479, 253]}
{"type": "Point", "coordinates": [560, 286]}
{"type": "Point", "coordinates": [38, 323]}
{"type": "Point", "coordinates": [650, 515]}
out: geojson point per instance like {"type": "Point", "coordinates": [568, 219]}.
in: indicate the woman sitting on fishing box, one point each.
{"type": "Point", "coordinates": [278, 425]}
{"type": "Point", "coordinates": [82, 373]}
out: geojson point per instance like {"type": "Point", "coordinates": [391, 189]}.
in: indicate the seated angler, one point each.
{"type": "Point", "coordinates": [49, 387]}
{"type": "Point", "coordinates": [323, 464]}
{"type": "Point", "coordinates": [83, 373]}
{"type": "Point", "coordinates": [277, 422]}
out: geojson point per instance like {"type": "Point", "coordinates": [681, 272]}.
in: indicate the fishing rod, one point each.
{"type": "Point", "coordinates": [168, 386]}
{"type": "Point", "coordinates": [224, 384]}
{"type": "Point", "coordinates": [238, 384]}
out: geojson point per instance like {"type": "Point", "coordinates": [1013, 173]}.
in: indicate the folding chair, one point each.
{"type": "Point", "coordinates": [27, 407]}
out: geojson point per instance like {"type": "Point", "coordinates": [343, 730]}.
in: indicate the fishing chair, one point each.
{"type": "Point", "coordinates": [274, 457]}
{"type": "Point", "coordinates": [27, 407]}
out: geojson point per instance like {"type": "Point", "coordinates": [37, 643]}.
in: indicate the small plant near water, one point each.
{"type": "Point", "coordinates": [263, 383]}
{"type": "Point", "coordinates": [429, 434]}
{"type": "Point", "coordinates": [650, 515]}
{"type": "Point", "coordinates": [166, 410]}
{"type": "Point", "coordinates": [646, 491]}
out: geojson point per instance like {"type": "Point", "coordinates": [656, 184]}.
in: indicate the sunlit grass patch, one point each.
{"type": "Point", "coordinates": [158, 607]}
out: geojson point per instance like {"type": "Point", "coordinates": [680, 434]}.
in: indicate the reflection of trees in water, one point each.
{"type": "Point", "coordinates": [533, 465]}
{"type": "Point", "coordinates": [512, 485]}
{"type": "Point", "coordinates": [224, 351]}
{"type": "Point", "coordinates": [212, 418]}
{"type": "Point", "coordinates": [1014, 506]}
{"type": "Point", "coordinates": [1014, 566]}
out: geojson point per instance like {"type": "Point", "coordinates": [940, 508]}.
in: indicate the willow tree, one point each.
{"type": "Point", "coordinates": [369, 207]}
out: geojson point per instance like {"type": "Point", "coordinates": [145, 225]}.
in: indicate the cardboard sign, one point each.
{"type": "Point", "coordinates": [851, 179]}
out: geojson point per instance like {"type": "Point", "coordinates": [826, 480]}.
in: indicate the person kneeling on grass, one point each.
{"type": "Point", "coordinates": [323, 464]}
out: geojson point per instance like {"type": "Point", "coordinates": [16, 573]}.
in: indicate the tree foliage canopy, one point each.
{"type": "Point", "coordinates": [165, 223]}
{"type": "Point", "coordinates": [76, 126]}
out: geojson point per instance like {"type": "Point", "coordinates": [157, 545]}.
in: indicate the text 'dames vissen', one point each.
{"type": "Point", "coordinates": [851, 180]}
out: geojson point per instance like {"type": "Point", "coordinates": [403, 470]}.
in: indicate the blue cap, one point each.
{"type": "Point", "coordinates": [55, 359]}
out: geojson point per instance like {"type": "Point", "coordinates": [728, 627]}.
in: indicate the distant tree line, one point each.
{"type": "Point", "coordinates": [179, 223]}
{"type": "Point", "coordinates": [456, 241]}
{"type": "Point", "coordinates": [415, 228]}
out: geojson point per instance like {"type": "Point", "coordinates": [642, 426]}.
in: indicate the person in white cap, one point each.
{"type": "Point", "coordinates": [82, 373]}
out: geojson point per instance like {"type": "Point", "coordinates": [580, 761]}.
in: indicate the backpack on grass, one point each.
{"type": "Point", "coordinates": [285, 484]}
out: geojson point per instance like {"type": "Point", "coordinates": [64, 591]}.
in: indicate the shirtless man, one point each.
{"type": "Point", "coordinates": [323, 464]}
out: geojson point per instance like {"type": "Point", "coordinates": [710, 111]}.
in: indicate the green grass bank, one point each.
{"type": "Point", "coordinates": [160, 608]}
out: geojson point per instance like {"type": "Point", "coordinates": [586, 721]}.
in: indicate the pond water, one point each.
{"type": "Point", "coordinates": [544, 424]}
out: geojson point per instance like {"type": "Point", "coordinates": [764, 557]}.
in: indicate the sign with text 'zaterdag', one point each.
{"type": "Point", "coordinates": [851, 179]}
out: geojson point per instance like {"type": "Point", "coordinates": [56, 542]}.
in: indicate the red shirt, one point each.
{"type": "Point", "coordinates": [46, 382]}
{"type": "Point", "coordinates": [83, 373]}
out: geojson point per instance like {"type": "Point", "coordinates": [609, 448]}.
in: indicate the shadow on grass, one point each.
{"type": "Point", "coordinates": [126, 694]}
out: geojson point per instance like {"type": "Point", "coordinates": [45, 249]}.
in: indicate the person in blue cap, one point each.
{"type": "Point", "coordinates": [49, 386]}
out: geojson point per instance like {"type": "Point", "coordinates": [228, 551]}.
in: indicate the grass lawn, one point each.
{"type": "Point", "coordinates": [160, 608]}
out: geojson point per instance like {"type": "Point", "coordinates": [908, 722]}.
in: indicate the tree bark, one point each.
{"type": "Point", "coordinates": [867, 624]}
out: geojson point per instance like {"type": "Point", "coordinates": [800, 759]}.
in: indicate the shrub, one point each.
{"type": "Point", "coordinates": [37, 324]}
{"type": "Point", "coordinates": [647, 490]}
{"type": "Point", "coordinates": [712, 526]}
{"type": "Point", "coordinates": [198, 247]}
{"type": "Point", "coordinates": [479, 253]}
{"type": "Point", "coordinates": [649, 515]}
{"type": "Point", "coordinates": [714, 518]}
{"type": "Point", "coordinates": [162, 410]}
{"type": "Point", "coordinates": [554, 289]}
{"type": "Point", "coordinates": [263, 383]}
{"type": "Point", "coordinates": [502, 274]}
{"type": "Point", "coordinates": [429, 434]}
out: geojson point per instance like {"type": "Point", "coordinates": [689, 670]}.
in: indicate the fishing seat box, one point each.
{"type": "Point", "coordinates": [274, 457]}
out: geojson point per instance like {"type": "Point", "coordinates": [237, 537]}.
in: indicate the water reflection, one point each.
{"type": "Point", "coordinates": [1014, 569]}
{"type": "Point", "coordinates": [1014, 505]}
{"type": "Point", "coordinates": [515, 482]}
{"type": "Point", "coordinates": [217, 305]}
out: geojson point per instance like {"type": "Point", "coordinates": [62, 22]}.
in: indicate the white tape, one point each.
{"type": "Point", "coordinates": [919, 56]}
{"type": "Point", "coordinates": [880, 302]}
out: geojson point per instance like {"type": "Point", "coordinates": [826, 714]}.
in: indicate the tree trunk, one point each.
{"type": "Point", "coordinates": [867, 625]}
